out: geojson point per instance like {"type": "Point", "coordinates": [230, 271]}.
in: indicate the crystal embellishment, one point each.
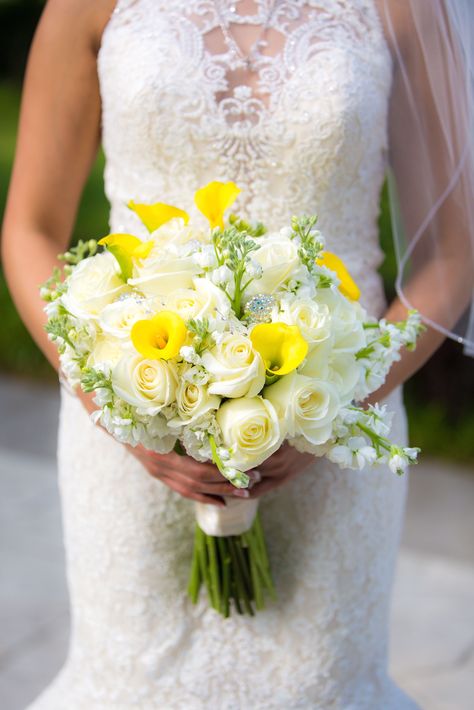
{"type": "Point", "coordinates": [259, 308]}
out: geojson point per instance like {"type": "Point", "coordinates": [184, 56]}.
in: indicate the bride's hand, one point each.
{"type": "Point", "coordinates": [281, 467]}
{"type": "Point", "coordinates": [198, 481]}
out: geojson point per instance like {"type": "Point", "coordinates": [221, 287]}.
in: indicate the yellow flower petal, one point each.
{"type": "Point", "coordinates": [125, 248]}
{"type": "Point", "coordinates": [160, 337]}
{"type": "Point", "coordinates": [214, 199]}
{"type": "Point", "coordinates": [348, 286]}
{"type": "Point", "coordinates": [281, 346]}
{"type": "Point", "coordinates": [153, 216]}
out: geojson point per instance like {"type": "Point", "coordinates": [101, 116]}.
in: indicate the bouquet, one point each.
{"type": "Point", "coordinates": [222, 343]}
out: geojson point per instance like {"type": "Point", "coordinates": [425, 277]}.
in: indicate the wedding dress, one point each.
{"type": "Point", "coordinates": [306, 132]}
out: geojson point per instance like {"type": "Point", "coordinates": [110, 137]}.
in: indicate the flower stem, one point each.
{"type": "Point", "coordinates": [231, 568]}
{"type": "Point", "coordinates": [213, 572]}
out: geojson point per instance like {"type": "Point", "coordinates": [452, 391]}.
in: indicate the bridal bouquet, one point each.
{"type": "Point", "coordinates": [223, 343]}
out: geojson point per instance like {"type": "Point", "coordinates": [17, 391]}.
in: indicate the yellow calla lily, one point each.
{"type": "Point", "coordinates": [160, 337]}
{"type": "Point", "coordinates": [153, 216]}
{"type": "Point", "coordinates": [281, 346]}
{"type": "Point", "coordinates": [214, 199]}
{"type": "Point", "coordinates": [125, 248]}
{"type": "Point", "coordinates": [348, 286]}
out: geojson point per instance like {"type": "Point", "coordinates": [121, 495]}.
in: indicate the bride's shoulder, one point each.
{"type": "Point", "coordinates": [402, 22]}
{"type": "Point", "coordinates": [87, 18]}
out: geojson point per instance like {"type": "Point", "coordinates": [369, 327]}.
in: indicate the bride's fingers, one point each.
{"type": "Point", "coordinates": [267, 485]}
{"type": "Point", "coordinates": [187, 492]}
{"type": "Point", "coordinates": [204, 471]}
{"type": "Point", "coordinates": [219, 488]}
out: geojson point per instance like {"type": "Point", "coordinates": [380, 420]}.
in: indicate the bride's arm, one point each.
{"type": "Point", "coordinates": [58, 138]}
{"type": "Point", "coordinates": [441, 282]}
{"type": "Point", "coordinates": [57, 142]}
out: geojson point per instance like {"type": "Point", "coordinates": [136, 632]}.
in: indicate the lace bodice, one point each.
{"type": "Point", "coordinates": [304, 132]}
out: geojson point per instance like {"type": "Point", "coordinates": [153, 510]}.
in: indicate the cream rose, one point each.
{"type": "Point", "coordinates": [347, 321]}
{"type": "Point", "coordinates": [174, 233]}
{"type": "Point", "coordinates": [204, 299]}
{"type": "Point", "coordinates": [278, 257]}
{"type": "Point", "coordinates": [107, 350]}
{"type": "Point", "coordinates": [250, 429]}
{"type": "Point", "coordinates": [194, 402]}
{"type": "Point", "coordinates": [94, 283]}
{"type": "Point", "coordinates": [236, 369]}
{"type": "Point", "coordinates": [149, 385]}
{"type": "Point", "coordinates": [163, 273]}
{"type": "Point", "coordinates": [117, 318]}
{"type": "Point", "coordinates": [307, 407]}
{"type": "Point", "coordinates": [345, 373]}
{"type": "Point", "coordinates": [316, 364]}
{"type": "Point", "coordinates": [313, 319]}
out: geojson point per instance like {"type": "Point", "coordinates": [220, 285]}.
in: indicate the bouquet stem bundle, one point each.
{"type": "Point", "coordinates": [234, 569]}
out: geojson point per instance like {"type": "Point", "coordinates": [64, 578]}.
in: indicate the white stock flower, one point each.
{"type": "Point", "coordinates": [196, 444]}
{"type": "Point", "coordinates": [307, 407]}
{"type": "Point", "coordinates": [278, 257]}
{"type": "Point", "coordinates": [313, 319]}
{"type": "Point", "coordinates": [205, 257]}
{"type": "Point", "coordinates": [224, 277]}
{"type": "Point", "coordinates": [236, 369]}
{"type": "Point", "coordinates": [189, 354]}
{"type": "Point", "coordinates": [398, 463]}
{"type": "Point", "coordinates": [250, 430]}
{"type": "Point", "coordinates": [193, 402]}
{"type": "Point", "coordinates": [149, 385]}
{"type": "Point", "coordinates": [94, 283]}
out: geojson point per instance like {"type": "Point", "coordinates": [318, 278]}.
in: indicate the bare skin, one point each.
{"type": "Point", "coordinates": [59, 135]}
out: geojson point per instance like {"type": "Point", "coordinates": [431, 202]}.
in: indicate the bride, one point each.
{"type": "Point", "coordinates": [302, 104]}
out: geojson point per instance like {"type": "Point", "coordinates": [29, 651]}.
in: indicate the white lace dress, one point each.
{"type": "Point", "coordinates": [305, 133]}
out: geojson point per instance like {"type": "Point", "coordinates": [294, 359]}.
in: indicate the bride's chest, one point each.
{"type": "Point", "coordinates": [320, 75]}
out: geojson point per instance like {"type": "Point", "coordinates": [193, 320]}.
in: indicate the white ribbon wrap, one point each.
{"type": "Point", "coordinates": [236, 518]}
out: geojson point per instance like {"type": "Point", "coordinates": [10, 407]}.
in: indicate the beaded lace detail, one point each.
{"type": "Point", "coordinates": [304, 133]}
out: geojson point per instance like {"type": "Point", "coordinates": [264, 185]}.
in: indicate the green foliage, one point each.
{"type": "Point", "coordinates": [80, 251]}
{"type": "Point", "coordinates": [233, 248]}
{"type": "Point", "coordinates": [92, 380]}
{"type": "Point", "coordinates": [203, 337]}
{"type": "Point", "coordinates": [310, 246]}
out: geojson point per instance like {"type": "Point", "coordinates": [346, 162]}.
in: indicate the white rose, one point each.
{"type": "Point", "coordinates": [236, 369]}
{"type": "Point", "coordinates": [94, 283]}
{"type": "Point", "coordinates": [316, 364]}
{"type": "Point", "coordinates": [117, 318]}
{"type": "Point", "coordinates": [194, 402]}
{"type": "Point", "coordinates": [107, 350]}
{"type": "Point", "coordinates": [176, 233]}
{"type": "Point", "coordinates": [148, 385]}
{"type": "Point", "coordinates": [250, 430]}
{"type": "Point", "coordinates": [306, 406]}
{"type": "Point", "coordinates": [313, 319]}
{"type": "Point", "coordinates": [345, 373]}
{"type": "Point", "coordinates": [278, 257]}
{"type": "Point", "coordinates": [162, 273]}
{"type": "Point", "coordinates": [347, 321]}
{"type": "Point", "coordinates": [204, 299]}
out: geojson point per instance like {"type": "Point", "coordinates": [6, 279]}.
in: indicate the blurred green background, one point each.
{"type": "Point", "coordinates": [438, 398]}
